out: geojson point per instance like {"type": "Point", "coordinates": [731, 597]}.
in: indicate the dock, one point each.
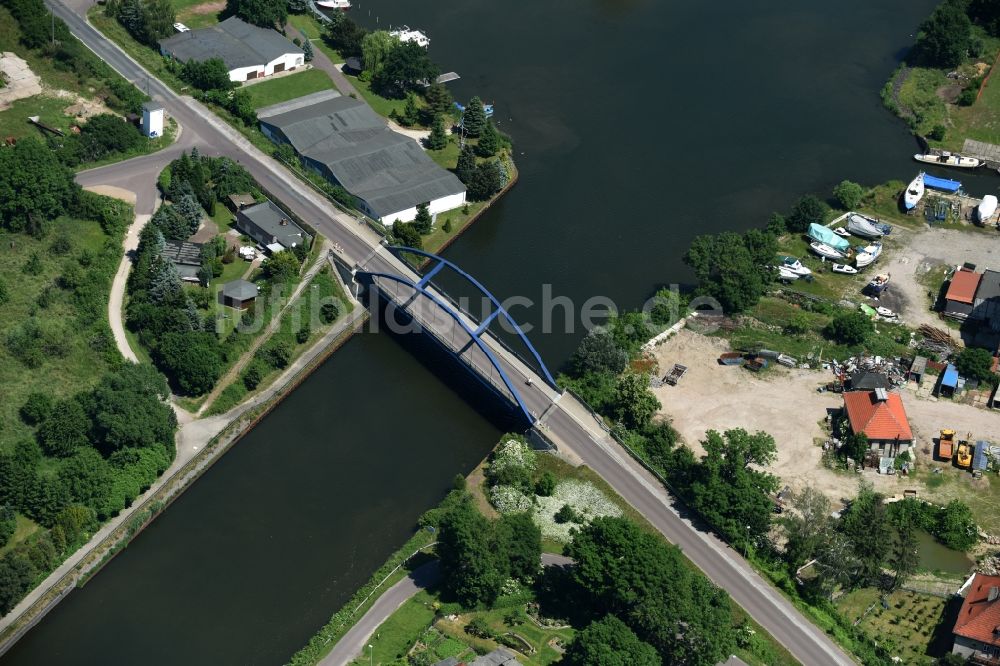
{"type": "Point", "coordinates": [447, 76]}
{"type": "Point", "coordinates": [988, 152]}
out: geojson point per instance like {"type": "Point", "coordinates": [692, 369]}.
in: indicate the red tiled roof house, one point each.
{"type": "Point", "coordinates": [961, 296]}
{"type": "Point", "coordinates": [880, 415]}
{"type": "Point", "coordinates": [977, 629]}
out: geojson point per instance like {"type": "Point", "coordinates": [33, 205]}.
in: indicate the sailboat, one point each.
{"type": "Point", "coordinates": [334, 4]}
{"type": "Point", "coordinates": [825, 251]}
{"type": "Point", "coordinates": [859, 225]}
{"type": "Point", "coordinates": [914, 191]}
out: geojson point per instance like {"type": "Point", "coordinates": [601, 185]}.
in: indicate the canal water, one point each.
{"type": "Point", "coordinates": [637, 125]}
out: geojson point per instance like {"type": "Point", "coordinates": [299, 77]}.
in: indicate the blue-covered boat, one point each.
{"type": "Point", "coordinates": [942, 184]}
{"type": "Point", "coordinates": [487, 108]}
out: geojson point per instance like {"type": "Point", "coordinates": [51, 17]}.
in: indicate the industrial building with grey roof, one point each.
{"type": "Point", "coordinates": [239, 45]}
{"type": "Point", "coordinates": [345, 141]}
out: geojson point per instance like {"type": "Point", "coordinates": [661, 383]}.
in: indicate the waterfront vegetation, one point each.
{"type": "Point", "coordinates": [325, 298]}
{"type": "Point", "coordinates": [189, 335]}
{"type": "Point", "coordinates": [944, 90]}
{"type": "Point", "coordinates": [81, 432]}
{"type": "Point", "coordinates": [494, 593]}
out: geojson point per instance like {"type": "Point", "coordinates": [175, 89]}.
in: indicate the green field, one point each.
{"type": "Point", "coordinates": [307, 24]}
{"type": "Point", "coordinates": [198, 13]}
{"type": "Point", "coordinates": [288, 87]}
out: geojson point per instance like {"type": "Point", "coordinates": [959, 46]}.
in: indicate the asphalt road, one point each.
{"type": "Point", "coordinates": [354, 642]}
{"type": "Point", "coordinates": [564, 422]}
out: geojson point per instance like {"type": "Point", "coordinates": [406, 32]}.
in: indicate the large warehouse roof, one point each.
{"type": "Point", "coordinates": [237, 43]}
{"type": "Point", "coordinates": [389, 171]}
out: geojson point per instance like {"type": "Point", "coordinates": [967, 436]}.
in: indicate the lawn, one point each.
{"type": "Point", "coordinates": [981, 121]}
{"type": "Point", "coordinates": [198, 13]}
{"type": "Point", "coordinates": [85, 350]}
{"type": "Point", "coordinates": [288, 86]}
{"type": "Point", "coordinates": [913, 623]}
{"type": "Point", "coordinates": [14, 121]}
{"type": "Point", "coordinates": [308, 25]}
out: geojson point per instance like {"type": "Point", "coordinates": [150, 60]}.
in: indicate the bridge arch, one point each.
{"type": "Point", "coordinates": [421, 288]}
{"type": "Point", "coordinates": [499, 310]}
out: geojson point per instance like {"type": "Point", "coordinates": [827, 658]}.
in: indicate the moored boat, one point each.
{"type": "Point", "coordinates": [405, 34]}
{"type": "Point", "coordinates": [862, 226]}
{"type": "Point", "coordinates": [950, 159]}
{"type": "Point", "coordinates": [825, 251]}
{"type": "Point", "coordinates": [914, 192]}
{"type": "Point", "coordinates": [334, 4]}
{"type": "Point", "coordinates": [845, 269]}
{"type": "Point", "coordinates": [986, 208]}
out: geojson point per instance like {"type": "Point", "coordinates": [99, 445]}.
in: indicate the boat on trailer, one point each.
{"type": "Point", "coordinates": [862, 226]}
{"type": "Point", "coordinates": [950, 159]}
{"type": "Point", "coordinates": [825, 251]}
{"type": "Point", "coordinates": [795, 266]}
{"type": "Point", "coordinates": [914, 192]}
{"type": "Point", "coordinates": [878, 283]}
{"type": "Point", "coordinates": [846, 269]}
{"type": "Point", "coordinates": [787, 275]}
{"type": "Point", "coordinates": [867, 255]}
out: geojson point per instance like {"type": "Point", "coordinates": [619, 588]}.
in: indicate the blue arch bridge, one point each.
{"type": "Point", "coordinates": [521, 378]}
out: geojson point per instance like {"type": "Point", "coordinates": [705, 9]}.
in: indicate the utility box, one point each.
{"type": "Point", "coordinates": [152, 119]}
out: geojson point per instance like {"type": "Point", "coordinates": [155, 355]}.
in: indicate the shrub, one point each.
{"type": "Point", "coordinates": [36, 408]}
{"type": "Point", "coordinates": [849, 328]}
{"type": "Point", "coordinates": [329, 312]}
{"type": "Point", "coordinates": [848, 194]}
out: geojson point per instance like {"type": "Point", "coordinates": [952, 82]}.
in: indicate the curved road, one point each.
{"type": "Point", "coordinates": [563, 419]}
{"type": "Point", "coordinates": [353, 642]}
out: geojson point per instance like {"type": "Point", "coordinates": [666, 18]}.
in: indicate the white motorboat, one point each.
{"type": "Point", "coordinates": [885, 312]}
{"type": "Point", "coordinates": [404, 34]}
{"type": "Point", "coordinates": [795, 266]}
{"type": "Point", "coordinates": [334, 4]}
{"type": "Point", "coordinates": [949, 159]}
{"type": "Point", "coordinates": [825, 251]}
{"type": "Point", "coordinates": [787, 275]}
{"type": "Point", "coordinates": [986, 208]}
{"type": "Point", "coordinates": [868, 255]}
{"type": "Point", "coordinates": [841, 231]}
{"type": "Point", "coordinates": [862, 226]}
{"type": "Point", "coordinates": [844, 268]}
{"type": "Point", "coordinates": [914, 192]}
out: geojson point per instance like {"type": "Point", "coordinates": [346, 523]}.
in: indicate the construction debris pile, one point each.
{"type": "Point", "coordinates": [937, 342]}
{"type": "Point", "coordinates": [893, 369]}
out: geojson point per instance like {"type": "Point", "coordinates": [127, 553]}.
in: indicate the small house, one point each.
{"type": "Point", "coordinates": [238, 294]}
{"type": "Point", "coordinates": [977, 629]}
{"type": "Point", "coordinates": [248, 51]}
{"type": "Point", "coordinates": [152, 119]}
{"type": "Point", "coordinates": [238, 201]}
{"type": "Point", "coordinates": [185, 256]}
{"type": "Point", "coordinates": [917, 369]}
{"type": "Point", "coordinates": [270, 226]}
{"type": "Point", "coordinates": [961, 295]}
{"type": "Point", "coordinates": [867, 380]}
{"type": "Point", "coordinates": [949, 381]}
{"type": "Point", "coordinates": [880, 415]}
{"type": "Point", "coordinates": [986, 307]}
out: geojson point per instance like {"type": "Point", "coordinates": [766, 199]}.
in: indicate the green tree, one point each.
{"type": "Point", "coordinates": [956, 527]}
{"type": "Point", "coordinates": [36, 408]}
{"type": "Point", "coordinates": [407, 235]}
{"type": "Point", "coordinates": [520, 542]}
{"type": "Point", "coordinates": [849, 328]}
{"type": "Point", "coordinates": [732, 268]}
{"type": "Point", "coordinates": [776, 224]}
{"type": "Point", "coordinates": [808, 527]}
{"type": "Point", "coordinates": [129, 409]}
{"type": "Point", "coordinates": [34, 186]}
{"type": "Point", "coordinates": [609, 642]}
{"type": "Point", "coordinates": [423, 222]}
{"type": "Point", "coordinates": [866, 525]}
{"type": "Point", "coordinates": [945, 36]}
{"type": "Point", "coordinates": [466, 167]}
{"type": "Point", "coordinates": [375, 48]}
{"type": "Point", "coordinates": [634, 403]}
{"type": "Point", "coordinates": [345, 35]}
{"type": "Point", "coordinates": [264, 13]}
{"type": "Point", "coordinates": [471, 567]}
{"type": "Point", "coordinates": [16, 576]}
{"type": "Point", "coordinates": [66, 429]}
{"type": "Point", "coordinates": [729, 490]}
{"type": "Point", "coordinates": [439, 100]}
{"type": "Point", "coordinates": [546, 485]}
{"type": "Point", "coordinates": [598, 352]}
{"type": "Point", "coordinates": [807, 210]}
{"type": "Point", "coordinates": [406, 67]}
{"type": "Point", "coordinates": [157, 18]}
{"type": "Point", "coordinates": [438, 138]}
{"type": "Point", "coordinates": [191, 360]}
{"type": "Point", "coordinates": [307, 51]}
{"type": "Point", "coordinates": [849, 194]}
{"type": "Point", "coordinates": [487, 181]}
{"type": "Point", "coordinates": [977, 363]}
{"type": "Point", "coordinates": [489, 140]}
{"type": "Point", "coordinates": [281, 268]}
{"type": "Point", "coordinates": [88, 477]}
{"type": "Point", "coordinates": [211, 74]}
{"type": "Point", "coordinates": [474, 118]}
{"type": "Point", "coordinates": [903, 558]}
{"type": "Point", "coordinates": [8, 524]}
{"type": "Point", "coordinates": [987, 14]}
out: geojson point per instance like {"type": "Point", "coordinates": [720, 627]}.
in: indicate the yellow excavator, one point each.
{"type": "Point", "coordinates": [963, 458]}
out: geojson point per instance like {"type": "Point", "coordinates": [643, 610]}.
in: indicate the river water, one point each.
{"type": "Point", "coordinates": [637, 125]}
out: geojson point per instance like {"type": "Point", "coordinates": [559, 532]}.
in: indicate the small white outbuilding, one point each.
{"type": "Point", "coordinates": [152, 119]}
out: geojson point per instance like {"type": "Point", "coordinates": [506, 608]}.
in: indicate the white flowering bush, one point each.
{"type": "Point", "coordinates": [585, 498]}
{"type": "Point", "coordinates": [508, 499]}
{"type": "Point", "coordinates": [512, 453]}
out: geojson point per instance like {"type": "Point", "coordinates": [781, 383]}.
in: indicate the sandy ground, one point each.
{"type": "Point", "coordinates": [128, 196]}
{"type": "Point", "coordinates": [922, 252]}
{"type": "Point", "coordinates": [21, 81]}
{"type": "Point", "coordinates": [784, 402]}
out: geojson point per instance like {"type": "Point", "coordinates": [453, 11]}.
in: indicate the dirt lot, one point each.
{"type": "Point", "coordinates": [781, 401]}
{"type": "Point", "coordinates": [785, 403]}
